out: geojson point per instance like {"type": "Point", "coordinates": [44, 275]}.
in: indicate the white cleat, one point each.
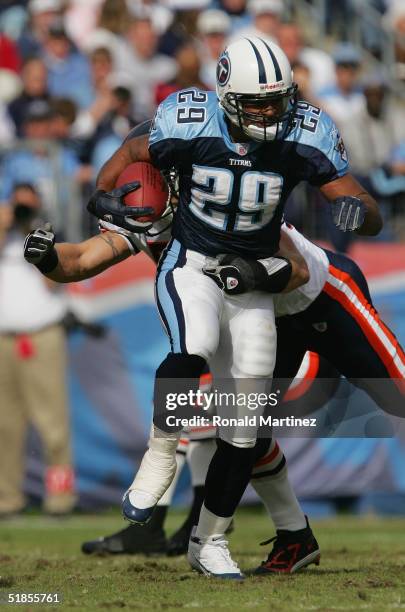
{"type": "Point", "coordinates": [211, 557]}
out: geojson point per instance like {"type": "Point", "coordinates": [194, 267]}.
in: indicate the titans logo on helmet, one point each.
{"type": "Point", "coordinates": [223, 70]}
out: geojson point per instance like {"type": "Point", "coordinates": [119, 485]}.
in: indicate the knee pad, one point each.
{"type": "Point", "coordinates": [177, 374]}
{"type": "Point", "coordinates": [255, 353]}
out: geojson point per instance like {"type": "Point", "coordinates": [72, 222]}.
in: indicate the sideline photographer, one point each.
{"type": "Point", "coordinates": [33, 365]}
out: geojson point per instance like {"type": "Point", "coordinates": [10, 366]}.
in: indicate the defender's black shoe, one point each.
{"type": "Point", "coordinates": [292, 550]}
{"type": "Point", "coordinates": [135, 539]}
{"type": "Point", "coordinates": [177, 544]}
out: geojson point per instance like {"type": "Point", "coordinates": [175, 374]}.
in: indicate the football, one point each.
{"type": "Point", "coordinates": [153, 191]}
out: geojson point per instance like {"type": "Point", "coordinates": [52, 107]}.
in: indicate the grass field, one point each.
{"type": "Point", "coordinates": [362, 568]}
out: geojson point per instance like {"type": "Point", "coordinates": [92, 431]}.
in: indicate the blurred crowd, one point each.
{"type": "Point", "coordinates": [76, 76]}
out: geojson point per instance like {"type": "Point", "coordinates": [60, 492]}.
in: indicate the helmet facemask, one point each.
{"type": "Point", "coordinates": [256, 125]}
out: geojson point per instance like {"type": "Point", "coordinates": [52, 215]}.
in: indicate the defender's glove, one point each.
{"type": "Point", "coordinates": [110, 207]}
{"type": "Point", "coordinates": [39, 249]}
{"type": "Point", "coordinates": [348, 213]}
{"type": "Point", "coordinates": [236, 275]}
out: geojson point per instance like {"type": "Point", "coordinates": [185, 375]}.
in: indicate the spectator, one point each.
{"type": "Point", "coordinates": [236, 9]}
{"type": "Point", "coordinates": [68, 70]}
{"type": "Point", "coordinates": [44, 164]}
{"type": "Point", "coordinates": [394, 21]}
{"type": "Point", "coordinates": [9, 69]}
{"type": "Point", "coordinates": [61, 129]}
{"type": "Point", "coordinates": [266, 15]}
{"type": "Point", "coordinates": [34, 78]}
{"type": "Point", "coordinates": [9, 55]}
{"type": "Point", "coordinates": [182, 28]}
{"type": "Point", "coordinates": [384, 120]}
{"type": "Point", "coordinates": [81, 20]}
{"type": "Point", "coordinates": [188, 73]}
{"type": "Point", "coordinates": [33, 363]}
{"type": "Point", "coordinates": [7, 129]}
{"type": "Point", "coordinates": [213, 27]}
{"type": "Point", "coordinates": [161, 16]}
{"type": "Point", "coordinates": [42, 13]}
{"type": "Point", "coordinates": [146, 67]}
{"type": "Point", "coordinates": [114, 16]}
{"type": "Point", "coordinates": [345, 102]}
{"type": "Point", "coordinates": [13, 18]}
{"type": "Point", "coordinates": [112, 129]}
{"type": "Point", "coordinates": [319, 64]}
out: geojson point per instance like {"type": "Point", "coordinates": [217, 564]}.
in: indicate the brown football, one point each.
{"type": "Point", "coordinates": [153, 191]}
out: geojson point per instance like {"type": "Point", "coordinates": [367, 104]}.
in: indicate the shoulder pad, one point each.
{"type": "Point", "coordinates": [184, 115]}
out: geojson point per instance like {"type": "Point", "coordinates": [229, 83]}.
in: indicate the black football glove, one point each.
{"type": "Point", "coordinates": [236, 275]}
{"type": "Point", "coordinates": [348, 213]}
{"type": "Point", "coordinates": [110, 206]}
{"type": "Point", "coordinates": [233, 274]}
{"type": "Point", "coordinates": [39, 248]}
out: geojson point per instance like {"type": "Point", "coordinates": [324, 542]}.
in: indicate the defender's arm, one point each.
{"type": "Point", "coordinates": [299, 269]}
{"type": "Point", "coordinates": [69, 262]}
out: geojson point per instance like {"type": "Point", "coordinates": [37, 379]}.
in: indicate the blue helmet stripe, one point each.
{"type": "Point", "coordinates": [277, 69]}
{"type": "Point", "coordinates": [262, 71]}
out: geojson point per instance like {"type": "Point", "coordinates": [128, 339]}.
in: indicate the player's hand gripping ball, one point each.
{"type": "Point", "coordinates": [139, 199]}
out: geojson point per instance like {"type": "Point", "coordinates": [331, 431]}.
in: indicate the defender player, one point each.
{"type": "Point", "coordinates": [238, 161]}
{"type": "Point", "coordinates": [314, 325]}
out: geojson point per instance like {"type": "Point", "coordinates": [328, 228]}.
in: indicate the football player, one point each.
{"type": "Point", "coordinates": [342, 326]}
{"type": "Point", "coordinates": [333, 315]}
{"type": "Point", "coordinates": [67, 262]}
{"type": "Point", "coordinates": [239, 154]}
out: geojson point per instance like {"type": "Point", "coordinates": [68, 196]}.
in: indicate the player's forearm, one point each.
{"type": "Point", "coordinates": [78, 262]}
{"type": "Point", "coordinates": [299, 269]}
{"type": "Point", "coordinates": [111, 170]}
{"type": "Point", "coordinates": [299, 275]}
{"type": "Point", "coordinates": [129, 152]}
{"type": "Point", "coordinates": [70, 267]}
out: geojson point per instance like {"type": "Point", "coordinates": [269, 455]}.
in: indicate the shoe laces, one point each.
{"type": "Point", "coordinates": [284, 538]}
{"type": "Point", "coordinates": [220, 546]}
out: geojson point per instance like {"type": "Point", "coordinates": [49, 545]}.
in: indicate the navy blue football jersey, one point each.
{"type": "Point", "coordinates": [232, 195]}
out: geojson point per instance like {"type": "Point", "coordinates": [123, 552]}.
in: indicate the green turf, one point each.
{"type": "Point", "coordinates": [362, 568]}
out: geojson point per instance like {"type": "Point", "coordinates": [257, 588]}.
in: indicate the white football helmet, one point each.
{"type": "Point", "coordinates": [256, 73]}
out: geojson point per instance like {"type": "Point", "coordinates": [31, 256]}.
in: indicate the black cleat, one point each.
{"type": "Point", "coordinates": [177, 544]}
{"type": "Point", "coordinates": [133, 540]}
{"type": "Point", "coordinates": [292, 550]}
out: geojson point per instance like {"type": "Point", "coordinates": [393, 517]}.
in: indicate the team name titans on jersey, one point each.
{"type": "Point", "coordinates": [232, 195]}
{"type": "Point", "coordinates": [240, 162]}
